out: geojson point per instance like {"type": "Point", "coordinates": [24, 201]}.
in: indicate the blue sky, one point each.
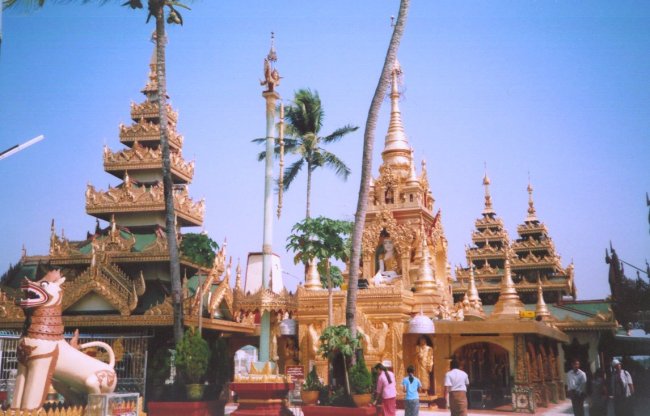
{"type": "Point", "coordinates": [555, 88]}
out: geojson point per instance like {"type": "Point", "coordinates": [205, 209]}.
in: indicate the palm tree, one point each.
{"type": "Point", "coordinates": [323, 239]}
{"type": "Point", "coordinates": [366, 167]}
{"type": "Point", "coordinates": [304, 121]}
{"type": "Point", "coordinates": [156, 10]}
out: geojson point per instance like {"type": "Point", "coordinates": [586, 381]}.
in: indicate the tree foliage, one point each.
{"type": "Point", "coordinates": [320, 238]}
{"type": "Point", "coordinates": [192, 356]}
{"type": "Point", "coordinates": [304, 121]}
{"type": "Point", "coordinates": [360, 377]}
{"type": "Point", "coordinates": [199, 248]}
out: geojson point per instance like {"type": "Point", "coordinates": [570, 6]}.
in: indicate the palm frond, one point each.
{"type": "Point", "coordinates": [333, 162]}
{"type": "Point", "coordinates": [291, 172]}
{"type": "Point", "coordinates": [339, 133]}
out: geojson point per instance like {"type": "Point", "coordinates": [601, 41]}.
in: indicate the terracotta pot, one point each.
{"type": "Point", "coordinates": [309, 397]}
{"type": "Point", "coordinates": [195, 391]}
{"type": "Point", "coordinates": [362, 400]}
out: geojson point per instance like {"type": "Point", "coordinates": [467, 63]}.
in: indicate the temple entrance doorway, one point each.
{"type": "Point", "coordinates": [488, 368]}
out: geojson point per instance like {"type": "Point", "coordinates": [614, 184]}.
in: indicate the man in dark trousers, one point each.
{"type": "Point", "coordinates": [622, 390]}
{"type": "Point", "coordinates": [576, 382]}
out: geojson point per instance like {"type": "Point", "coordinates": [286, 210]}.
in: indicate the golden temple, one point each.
{"type": "Point", "coordinates": [493, 316]}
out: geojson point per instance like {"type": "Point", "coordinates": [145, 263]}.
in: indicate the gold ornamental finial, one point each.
{"type": "Point", "coordinates": [396, 147]}
{"type": "Point", "coordinates": [238, 276]}
{"type": "Point", "coordinates": [541, 310]}
{"type": "Point", "coordinates": [271, 75]}
{"type": "Point", "coordinates": [473, 292]}
{"type": "Point", "coordinates": [425, 282]}
{"type": "Point", "coordinates": [532, 217]}
{"type": "Point", "coordinates": [488, 210]}
{"type": "Point", "coordinates": [508, 305]}
{"type": "Point", "coordinates": [413, 178]}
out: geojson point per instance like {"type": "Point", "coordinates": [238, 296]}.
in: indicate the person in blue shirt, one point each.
{"type": "Point", "coordinates": [411, 385]}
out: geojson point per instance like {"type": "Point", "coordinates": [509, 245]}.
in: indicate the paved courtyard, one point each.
{"type": "Point", "coordinates": [642, 408]}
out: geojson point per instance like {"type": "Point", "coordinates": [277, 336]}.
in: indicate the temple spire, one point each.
{"type": "Point", "coordinates": [509, 305]}
{"type": "Point", "coordinates": [488, 210]}
{"type": "Point", "coordinates": [238, 277]}
{"type": "Point", "coordinates": [413, 177]}
{"type": "Point", "coordinates": [396, 147]}
{"type": "Point", "coordinates": [425, 282]}
{"type": "Point", "coordinates": [532, 216]}
{"type": "Point", "coordinates": [472, 291]}
{"type": "Point", "coordinates": [541, 310]}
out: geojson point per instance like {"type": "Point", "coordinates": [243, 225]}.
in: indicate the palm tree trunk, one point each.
{"type": "Point", "coordinates": [308, 187]}
{"type": "Point", "coordinates": [168, 186]}
{"type": "Point", "coordinates": [366, 168]}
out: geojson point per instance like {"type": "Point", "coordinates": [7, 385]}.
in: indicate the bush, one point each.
{"type": "Point", "coordinates": [199, 248]}
{"type": "Point", "coordinates": [312, 382]}
{"type": "Point", "coordinates": [360, 377]}
{"type": "Point", "coordinates": [192, 356]}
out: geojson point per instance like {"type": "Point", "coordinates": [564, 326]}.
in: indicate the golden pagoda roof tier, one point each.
{"type": "Point", "coordinates": [490, 235]}
{"type": "Point", "coordinates": [480, 273]}
{"type": "Point", "coordinates": [533, 244]}
{"type": "Point", "coordinates": [488, 221]}
{"type": "Point", "coordinates": [141, 158]}
{"type": "Point", "coordinates": [460, 287]}
{"type": "Point", "coordinates": [148, 133]}
{"type": "Point", "coordinates": [532, 228]}
{"type": "Point", "coordinates": [531, 261]}
{"type": "Point", "coordinates": [149, 111]}
{"type": "Point", "coordinates": [487, 252]}
{"type": "Point", "coordinates": [129, 198]}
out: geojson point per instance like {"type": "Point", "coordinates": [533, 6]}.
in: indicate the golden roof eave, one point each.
{"type": "Point", "coordinates": [504, 327]}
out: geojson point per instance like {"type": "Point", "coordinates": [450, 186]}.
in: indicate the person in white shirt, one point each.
{"type": "Point", "coordinates": [456, 382]}
{"type": "Point", "coordinates": [622, 390]}
{"type": "Point", "coordinates": [576, 382]}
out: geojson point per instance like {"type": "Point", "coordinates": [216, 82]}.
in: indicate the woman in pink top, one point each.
{"type": "Point", "coordinates": [386, 390]}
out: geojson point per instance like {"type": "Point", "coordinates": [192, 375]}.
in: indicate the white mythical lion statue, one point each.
{"type": "Point", "coordinates": [44, 357]}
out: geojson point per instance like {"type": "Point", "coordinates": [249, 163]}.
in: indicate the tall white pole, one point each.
{"type": "Point", "coordinates": [272, 79]}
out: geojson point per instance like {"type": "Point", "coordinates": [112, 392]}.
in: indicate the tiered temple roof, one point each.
{"type": "Point", "coordinates": [138, 201]}
{"type": "Point", "coordinates": [119, 274]}
{"type": "Point", "coordinates": [533, 258]}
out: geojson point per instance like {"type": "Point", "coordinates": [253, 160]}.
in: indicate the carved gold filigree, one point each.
{"type": "Point", "coordinates": [149, 110]}
{"type": "Point", "coordinates": [265, 300]}
{"type": "Point", "coordinates": [141, 198]}
{"type": "Point", "coordinates": [401, 235]}
{"type": "Point", "coordinates": [8, 308]}
{"type": "Point", "coordinates": [144, 131]}
{"type": "Point", "coordinates": [165, 308]}
{"type": "Point", "coordinates": [140, 157]}
{"type": "Point", "coordinates": [108, 281]}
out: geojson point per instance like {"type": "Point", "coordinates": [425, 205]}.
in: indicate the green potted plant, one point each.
{"type": "Point", "coordinates": [361, 383]}
{"type": "Point", "coordinates": [192, 358]}
{"type": "Point", "coordinates": [311, 388]}
{"type": "Point", "coordinates": [159, 371]}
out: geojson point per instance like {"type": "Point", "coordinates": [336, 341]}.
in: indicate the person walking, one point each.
{"type": "Point", "coordinates": [456, 382]}
{"type": "Point", "coordinates": [576, 381]}
{"type": "Point", "coordinates": [599, 395]}
{"type": "Point", "coordinates": [622, 390]}
{"type": "Point", "coordinates": [411, 385]}
{"type": "Point", "coordinates": [386, 390]}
